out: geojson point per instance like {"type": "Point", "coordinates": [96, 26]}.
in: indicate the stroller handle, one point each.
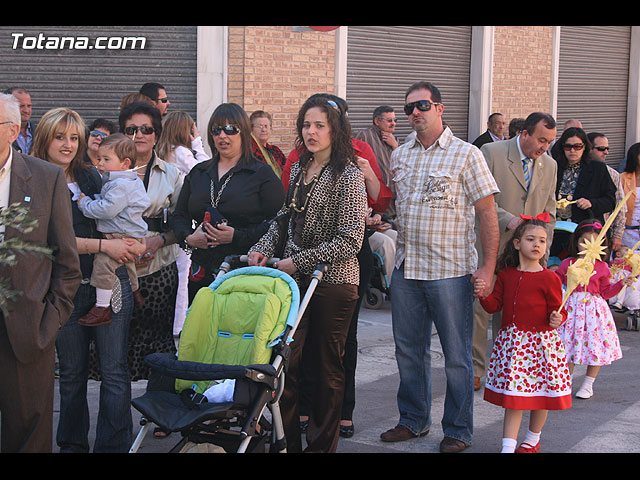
{"type": "Point", "coordinates": [233, 261]}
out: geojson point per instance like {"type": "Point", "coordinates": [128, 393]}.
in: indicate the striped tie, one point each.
{"type": "Point", "coordinates": [526, 166]}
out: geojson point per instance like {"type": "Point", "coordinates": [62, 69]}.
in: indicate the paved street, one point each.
{"type": "Point", "coordinates": [609, 422]}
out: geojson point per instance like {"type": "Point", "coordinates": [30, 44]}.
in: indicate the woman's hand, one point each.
{"type": "Point", "coordinates": [222, 234]}
{"type": "Point", "coordinates": [153, 244]}
{"type": "Point", "coordinates": [203, 237]}
{"type": "Point", "coordinates": [123, 250]}
{"type": "Point", "coordinates": [583, 203]}
{"type": "Point", "coordinates": [286, 265]}
{"type": "Point", "coordinates": [257, 259]}
{"type": "Point", "coordinates": [555, 319]}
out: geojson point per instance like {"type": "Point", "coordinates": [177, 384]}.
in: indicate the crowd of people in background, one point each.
{"type": "Point", "coordinates": [140, 218]}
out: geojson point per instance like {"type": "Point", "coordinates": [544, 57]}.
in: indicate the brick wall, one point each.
{"type": "Point", "coordinates": [522, 70]}
{"type": "Point", "coordinates": [274, 68]}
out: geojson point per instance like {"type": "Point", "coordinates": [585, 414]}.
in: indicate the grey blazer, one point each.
{"type": "Point", "coordinates": [505, 164]}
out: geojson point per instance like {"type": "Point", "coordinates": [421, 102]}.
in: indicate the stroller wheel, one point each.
{"type": "Point", "coordinates": [374, 298]}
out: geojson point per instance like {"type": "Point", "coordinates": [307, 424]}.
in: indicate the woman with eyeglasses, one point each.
{"type": "Point", "coordinates": [152, 323]}
{"type": "Point", "coordinates": [232, 198]}
{"type": "Point", "coordinates": [630, 179]}
{"type": "Point", "coordinates": [99, 128]}
{"type": "Point", "coordinates": [583, 183]}
{"type": "Point", "coordinates": [324, 215]}
{"type": "Point", "coordinates": [261, 123]}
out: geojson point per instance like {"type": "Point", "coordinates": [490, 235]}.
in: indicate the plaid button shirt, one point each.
{"type": "Point", "coordinates": [436, 188]}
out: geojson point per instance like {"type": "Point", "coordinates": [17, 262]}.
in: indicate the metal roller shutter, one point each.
{"type": "Point", "coordinates": [383, 61]}
{"type": "Point", "coordinates": [93, 81]}
{"type": "Point", "coordinates": [593, 82]}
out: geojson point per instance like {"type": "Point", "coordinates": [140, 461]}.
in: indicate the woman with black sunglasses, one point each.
{"type": "Point", "coordinates": [232, 197]}
{"type": "Point", "coordinates": [584, 186]}
{"type": "Point", "coordinates": [152, 323]}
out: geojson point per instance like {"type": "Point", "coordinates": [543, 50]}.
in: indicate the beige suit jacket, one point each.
{"type": "Point", "coordinates": [504, 161]}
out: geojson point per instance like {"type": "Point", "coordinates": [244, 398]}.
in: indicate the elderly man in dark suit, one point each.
{"type": "Point", "coordinates": [29, 329]}
{"type": "Point", "coordinates": [495, 130]}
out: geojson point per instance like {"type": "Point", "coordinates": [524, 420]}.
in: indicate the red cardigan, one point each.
{"type": "Point", "coordinates": [525, 298]}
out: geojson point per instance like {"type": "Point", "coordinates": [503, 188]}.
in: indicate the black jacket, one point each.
{"type": "Point", "coordinates": [594, 184]}
{"type": "Point", "coordinates": [250, 200]}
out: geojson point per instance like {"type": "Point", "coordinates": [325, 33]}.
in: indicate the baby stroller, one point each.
{"type": "Point", "coordinates": [231, 363]}
{"type": "Point", "coordinates": [378, 288]}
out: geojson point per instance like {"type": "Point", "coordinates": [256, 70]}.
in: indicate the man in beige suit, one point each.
{"type": "Point", "coordinates": [28, 331]}
{"type": "Point", "coordinates": [520, 193]}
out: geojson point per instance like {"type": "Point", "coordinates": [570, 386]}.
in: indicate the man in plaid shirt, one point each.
{"type": "Point", "coordinates": [441, 184]}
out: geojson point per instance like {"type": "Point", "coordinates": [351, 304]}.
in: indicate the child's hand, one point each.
{"type": "Point", "coordinates": [478, 287]}
{"type": "Point", "coordinates": [555, 319]}
{"type": "Point", "coordinates": [628, 281]}
{"type": "Point", "coordinates": [82, 195]}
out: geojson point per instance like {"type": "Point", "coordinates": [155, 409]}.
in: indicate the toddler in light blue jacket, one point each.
{"type": "Point", "coordinates": [119, 214]}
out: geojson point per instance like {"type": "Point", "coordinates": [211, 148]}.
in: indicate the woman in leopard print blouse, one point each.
{"type": "Point", "coordinates": [326, 208]}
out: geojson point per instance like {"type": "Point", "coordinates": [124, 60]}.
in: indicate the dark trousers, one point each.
{"type": "Point", "coordinates": [365, 259]}
{"type": "Point", "coordinates": [26, 399]}
{"type": "Point", "coordinates": [323, 330]}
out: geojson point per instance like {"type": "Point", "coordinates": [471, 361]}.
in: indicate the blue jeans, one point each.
{"type": "Point", "coordinates": [114, 428]}
{"type": "Point", "coordinates": [416, 306]}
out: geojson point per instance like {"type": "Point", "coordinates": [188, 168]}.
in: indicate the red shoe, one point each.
{"type": "Point", "coordinates": [96, 316]}
{"type": "Point", "coordinates": [527, 448]}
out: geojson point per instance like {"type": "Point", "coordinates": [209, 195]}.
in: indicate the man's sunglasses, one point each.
{"type": "Point", "coordinates": [163, 100]}
{"type": "Point", "coordinates": [422, 105]}
{"type": "Point", "coordinates": [227, 129]}
{"type": "Point", "coordinates": [146, 130]}
{"type": "Point", "coordinates": [602, 149]}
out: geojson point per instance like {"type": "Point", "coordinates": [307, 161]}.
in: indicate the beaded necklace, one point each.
{"type": "Point", "coordinates": [313, 183]}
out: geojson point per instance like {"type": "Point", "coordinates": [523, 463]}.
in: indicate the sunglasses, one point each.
{"type": "Point", "coordinates": [98, 134]}
{"type": "Point", "coordinates": [602, 149]}
{"type": "Point", "coordinates": [576, 146]}
{"type": "Point", "coordinates": [227, 129]}
{"type": "Point", "coordinates": [422, 105]}
{"type": "Point", "coordinates": [163, 100]}
{"type": "Point", "coordinates": [143, 129]}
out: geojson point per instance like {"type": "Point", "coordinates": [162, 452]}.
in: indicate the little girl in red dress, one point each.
{"type": "Point", "coordinates": [528, 368]}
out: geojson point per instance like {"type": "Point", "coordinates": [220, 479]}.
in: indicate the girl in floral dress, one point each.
{"type": "Point", "coordinates": [528, 368]}
{"type": "Point", "coordinates": [589, 335]}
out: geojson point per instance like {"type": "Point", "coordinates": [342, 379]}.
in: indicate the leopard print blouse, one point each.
{"type": "Point", "coordinates": [333, 230]}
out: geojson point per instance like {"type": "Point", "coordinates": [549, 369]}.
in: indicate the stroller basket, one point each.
{"type": "Point", "coordinates": [231, 362]}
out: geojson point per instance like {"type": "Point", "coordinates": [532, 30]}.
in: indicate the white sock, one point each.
{"type": "Point", "coordinates": [509, 445]}
{"type": "Point", "coordinates": [532, 438]}
{"type": "Point", "coordinates": [103, 297]}
{"type": "Point", "coordinates": [588, 383]}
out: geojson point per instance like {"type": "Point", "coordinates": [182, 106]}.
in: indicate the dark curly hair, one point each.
{"type": "Point", "coordinates": [342, 152]}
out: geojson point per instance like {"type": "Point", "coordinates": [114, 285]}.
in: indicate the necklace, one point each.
{"type": "Point", "coordinates": [313, 182]}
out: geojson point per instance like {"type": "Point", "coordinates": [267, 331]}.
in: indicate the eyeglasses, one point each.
{"type": "Point", "coordinates": [422, 105]}
{"type": "Point", "coordinates": [575, 146]}
{"type": "Point", "coordinates": [98, 133]}
{"type": "Point", "coordinates": [163, 100]}
{"type": "Point", "coordinates": [146, 130]}
{"type": "Point", "coordinates": [602, 149]}
{"type": "Point", "coordinates": [2, 123]}
{"type": "Point", "coordinates": [227, 129]}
